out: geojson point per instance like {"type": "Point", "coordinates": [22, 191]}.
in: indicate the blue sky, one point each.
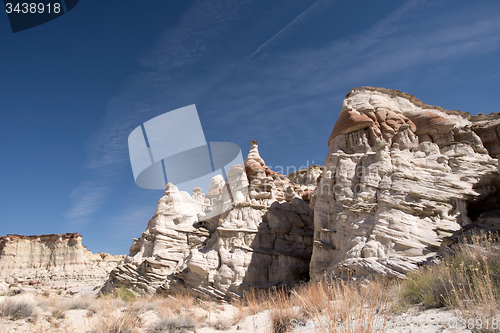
{"type": "Point", "coordinates": [73, 89]}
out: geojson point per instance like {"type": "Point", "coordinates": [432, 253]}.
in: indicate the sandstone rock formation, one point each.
{"type": "Point", "coordinates": [304, 181]}
{"type": "Point", "coordinates": [487, 127]}
{"type": "Point", "coordinates": [52, 261]}
{"type": "Point", "coordinates": [400, 176]}
{"type": "Point", "coordinates": [401, 180]}
{"type": "Point", "coordinates": [264, 240]}
{"type": "Point", "coordinates": [166, 242]}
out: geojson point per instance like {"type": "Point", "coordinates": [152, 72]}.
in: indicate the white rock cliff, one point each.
{"type": "Point", "coordinates": [400, 176]}
{"type": "Point", "coordinates": [57, 261]}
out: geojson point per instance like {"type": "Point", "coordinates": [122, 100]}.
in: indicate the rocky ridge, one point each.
{"type": "Point", "coordinates": [56, 261]}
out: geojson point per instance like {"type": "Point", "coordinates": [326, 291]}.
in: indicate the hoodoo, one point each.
{"type": "Point", "coordinates": [264, 240]}
{"type": "Point", "coordinates": [400, 176]}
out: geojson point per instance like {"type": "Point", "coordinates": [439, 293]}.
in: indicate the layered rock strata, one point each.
{"type": "Point", "coordinates": [167, 240]}
{"type": "Point", "coordinates": [400, 176]}
{"type": "Point", "coordinates": [264, 240]}
{"type": "Point", "coordinates": [52, 261]}
{"type": "Point", "coordinates": [487, 127]}
{"type": "Point", "coordinates": [305, 180]}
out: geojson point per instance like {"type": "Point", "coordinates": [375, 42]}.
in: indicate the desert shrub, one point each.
{"type": "Point", "coordinates": [80, 303]}
{"type": "Point", "coordinates": [18, 309]}
{"type": "Point", "coordinates": [178, 324]}
{"type": "Point", "coordinates": [467, 280]}
{"type": "Point", "coordinates": [428, 287]}
{"type": "Point", "coordinates": [124, 294]}
{"type": "Point", "coordinates": [471, 271]}
{"type": "Point", "coordinates": [126, 322]}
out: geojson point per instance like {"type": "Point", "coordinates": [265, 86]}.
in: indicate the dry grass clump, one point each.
{"type": "Point", "coordinates": [323, 305]}
{"type": "Point", "coordinates": [467, 279]}
{"type": "Point", "coordinates": [346, 305]}
{"type": "Point", "coordinates": [252, 302]}
{"type": "Point", "coordinates": [58, 314]}
{"type": "Point", "coordinates": [283, 311]}
{"type": "Point", "coordinates": [18, 309]}
{"type": "Point", "coordinates": [179, 324]}
{"type": "Point", "coordinates": [80, 303]}
{"type": "Point", "coordinates": [277, 301]}
{"type": "Point", "coordinates": [65, 304]}
{"type": "Point", "coordinates": [222, 324]}
{"type": "Point", "coordinates": [176, 313]}
{"type": "Point", "coordinates": [170, 306]}
{"type": "Point", "coordinates": [116, 321]}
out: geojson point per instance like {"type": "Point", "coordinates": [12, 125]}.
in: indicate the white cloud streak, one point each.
{"type": "Point", "coordinates": [311, 11]}
{"type": "Point", "coordinates": [134, 219]}
{"type": "Point", "coordinates": [86, 199]}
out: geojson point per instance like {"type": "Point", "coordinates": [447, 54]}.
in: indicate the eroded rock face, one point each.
{"type": "Point", "coordinates": [264, 240]}
{"type": "Point", "coordinates": [52, 261]}
{"type": "Point", "coordinates": [304, 181]}
{"type": "Point", "coordinates": [255, 246]}
{"type": "Point", "coordinates": [487, 127]}
{"type": "Point", "coordinates": [399, 177]}
{"type": "Point", "coordinates": [166, 242]}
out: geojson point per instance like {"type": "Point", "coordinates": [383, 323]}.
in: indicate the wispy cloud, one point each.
{"type": "Point", "coordinates": [167, 76]}
{"type": "Point", "coordinates": [134, 219]}
{"type": "Point", "coordinates": [194, 37]}
{"type": "Point", "coordinates": [307, 14]}
{"type": "Point", "coordinates": [86, 199]}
